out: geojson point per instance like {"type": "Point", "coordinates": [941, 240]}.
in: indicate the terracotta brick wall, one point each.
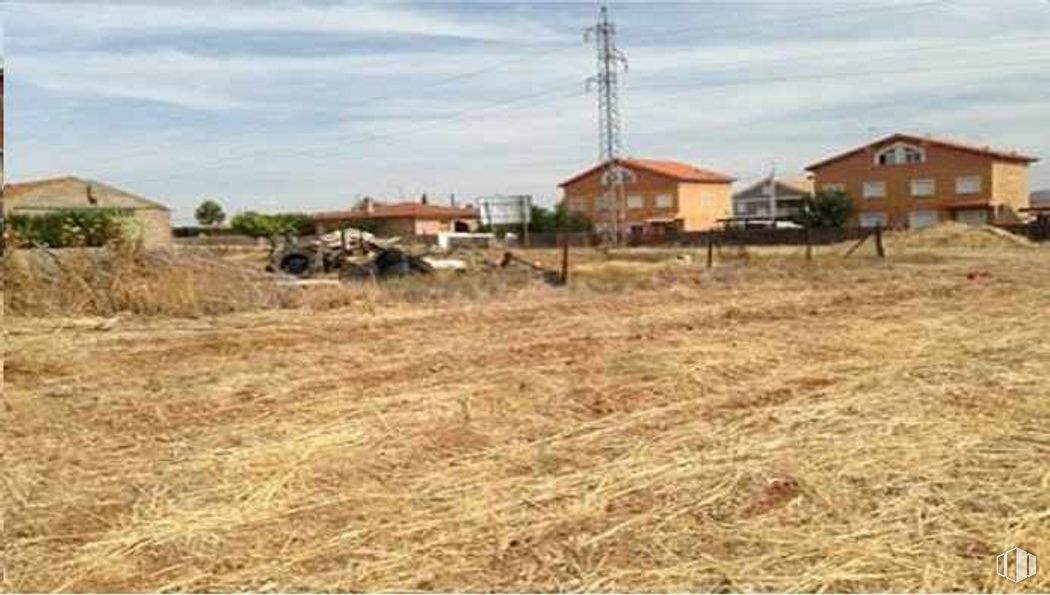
{"type": "Point", "coordinates": [999, 184]}
{"type": "Point", "coordinates": [686, 203]}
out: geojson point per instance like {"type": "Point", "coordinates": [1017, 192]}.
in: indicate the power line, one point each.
{"type": "Point", "coordinates": [808, 18]}
{"type": "Point", "coordinates": [528, 100]}
{"type": "Point", "coordinates": [663, 33]}
{"type": "Point", "coordinates": [501, 106]}
{"type": "Point", "coordinates": [558, 93]}
{"type": "Point", "coordinates": [822, 56]}
{"type": "Point", "coordinates": [842, 74]}
{"type": "Point", "coordinates": [829, 75]}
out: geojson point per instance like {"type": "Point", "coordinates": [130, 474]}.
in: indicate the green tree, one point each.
{"type": "Point", "coordinates": [558, 219]}
{"type": "Point", "coordinates": [825, 209]}
{"type": "Point", "coordinates": [260, 225]}
{"type": "Point", "coordinates": [209, 213]}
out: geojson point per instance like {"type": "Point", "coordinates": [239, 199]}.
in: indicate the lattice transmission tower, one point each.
{"type": "Point", "coordinates": [611, 205]}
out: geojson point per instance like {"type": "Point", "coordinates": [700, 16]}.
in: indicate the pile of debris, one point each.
{"type": "Point", "coordinates": [350, 253]}
{"type": "Point", "coordinates": [353, 254]}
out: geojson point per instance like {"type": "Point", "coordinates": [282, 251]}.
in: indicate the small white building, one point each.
{"type": "Point", "coordinates": [754, 202]}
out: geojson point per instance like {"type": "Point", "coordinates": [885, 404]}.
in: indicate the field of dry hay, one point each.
{"type": "Point", "coordinates": [853, 426]}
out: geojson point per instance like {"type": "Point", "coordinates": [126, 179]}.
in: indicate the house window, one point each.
{"type": "Point", "coordinates": [834, 187]}
{"type": "Point", "coordinates": [577, 206]}
{"type": "Point", "coordinates": [664, 201]}
{"type": "Point", "coordinates": [910, 154]}
{"type": "Point", "coordinates": [635, 202]}
{"type": "Point", "coordinates": [872, 219]}
{"type": "Point", "coordinates": [874, 189]}
{"type": "Point", "coordinates": [923, 187]}
{"type": "Point", "coordinates": [968, 185]}
{"type": "Point", "coordinates": [899, 154]}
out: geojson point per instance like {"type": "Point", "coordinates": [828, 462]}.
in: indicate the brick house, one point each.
{"type": "Point", "coordinates": [906, 180]}
{"type": "Point", "coordinates": [42, 196]}
{"type": "Point", "coordinates": [660, 196]}
{"type": "Point", "coordinates": [399, 219]}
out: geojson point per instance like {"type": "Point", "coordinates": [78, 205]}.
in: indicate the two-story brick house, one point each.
{"type": "Point", "coordinates": [660, 196]}
{"type": "Point", "coordinates": [906, 180]}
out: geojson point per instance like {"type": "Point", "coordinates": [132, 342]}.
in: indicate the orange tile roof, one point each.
{"type": "Point", "coordinates": [400, 210]}
{"type": "Point", "coordinates": [1010, 156]}
{"type": "Point", "coordinates": [676, 170]}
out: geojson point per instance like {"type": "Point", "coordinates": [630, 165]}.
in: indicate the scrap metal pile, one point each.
{"type": "Point", "coordinates": [352, 254]}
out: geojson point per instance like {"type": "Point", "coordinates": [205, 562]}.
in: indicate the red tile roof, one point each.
{"type": "Point", "coordinates": [1010, 156]}
{"type": "Point", "coordinates": [675, 170]}
{"type": "Point", "coordinates": [400, 210]}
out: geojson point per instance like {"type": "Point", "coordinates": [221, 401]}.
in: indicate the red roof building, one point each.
{"type": "Point", "coordinates": [907, 180]}
{"type": "Point", "coordinates": [661, 196]}
{"type": "Point", "coordinates": [399, 219]}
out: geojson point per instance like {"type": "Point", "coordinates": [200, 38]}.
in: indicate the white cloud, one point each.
{"type": "Point", "coordinates": [301, 130]}
{"type": "Point", "coordinates": [142, 19]}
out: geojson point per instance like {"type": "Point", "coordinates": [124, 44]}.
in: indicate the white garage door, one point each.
{"type": "Point", "coordinates": [972, 216]}
{"type": "Point", "coordinates": [918, 219]}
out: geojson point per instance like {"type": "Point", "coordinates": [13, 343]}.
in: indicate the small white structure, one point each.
{"type": "Point", "coordinates": [447, 240]}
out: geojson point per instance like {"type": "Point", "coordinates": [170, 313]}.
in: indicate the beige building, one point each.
{"type": "Point", "coordinates": [661, 196]}
{"type": "Point", "coordinates": [906, 180]}
{"type": "Point", "coordinates": [42, 196]}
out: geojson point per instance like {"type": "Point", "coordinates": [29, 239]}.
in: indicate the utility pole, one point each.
{"type": "Point", "coordinates": [609, 61]}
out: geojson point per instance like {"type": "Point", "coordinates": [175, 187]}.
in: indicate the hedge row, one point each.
{"type": "Point", "coordinates": [72, 227]}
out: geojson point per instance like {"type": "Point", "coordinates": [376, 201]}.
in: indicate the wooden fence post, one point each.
{"type": "Point", "coordinates": [809, 244]}
{"type": "Point", "coordinates": [564, 278]}
{"type": "Point", "coordinates": [710, 248]}
{"type": "Point", "coordinates": [878, 241]}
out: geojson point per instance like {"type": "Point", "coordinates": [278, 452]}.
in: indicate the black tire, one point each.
{"type": "Point", "coordinates": [296, 264]}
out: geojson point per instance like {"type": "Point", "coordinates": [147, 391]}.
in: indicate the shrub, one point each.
{"type": "Point", "coordinates": [824, 209]}
{"type": "Point", "coordinates": [73, 227]}
{"type": "Point", "coordinates": [557, 219]}
{"type": "Point", "coordinates": [260, 225]}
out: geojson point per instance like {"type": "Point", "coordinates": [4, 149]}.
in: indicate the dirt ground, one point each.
{"type": "Point", "coordinates": [848, 426]}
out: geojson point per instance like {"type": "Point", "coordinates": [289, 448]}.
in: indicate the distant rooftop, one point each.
{"type": "Point", "coordinates": [399, 210]}
{"type": "Point", "coordinates": [1010, 156]}
{"type": "Point", "coordinates": [676, 170]}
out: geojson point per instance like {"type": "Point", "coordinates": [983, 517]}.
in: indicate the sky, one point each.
{"type": "Point", "coordinates": [307, 106]}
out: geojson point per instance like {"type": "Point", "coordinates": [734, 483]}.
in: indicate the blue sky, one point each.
{"type": "Point", "coordinates": [307, 105]}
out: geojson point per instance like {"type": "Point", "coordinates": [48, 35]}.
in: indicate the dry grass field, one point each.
{"type": "Point", "coordinates": [850, 425]}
